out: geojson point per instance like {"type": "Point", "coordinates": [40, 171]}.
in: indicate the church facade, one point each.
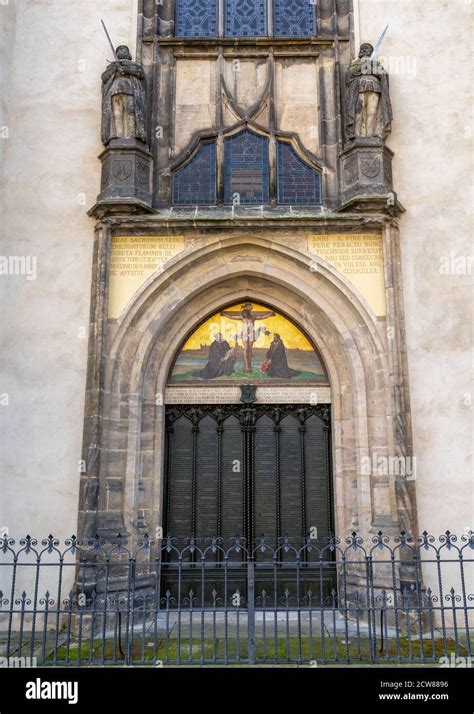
{"type": "Point", "coordinates": [265, 181]}
{"type": "Point", "coordinates": [277, 339]}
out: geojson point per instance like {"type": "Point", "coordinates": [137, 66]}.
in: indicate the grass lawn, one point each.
{"type": "Point", "coordinates": [292, 650]}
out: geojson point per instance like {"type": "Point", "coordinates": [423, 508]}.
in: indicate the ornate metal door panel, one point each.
{"type": "Point", "coordinates": [250, 470]}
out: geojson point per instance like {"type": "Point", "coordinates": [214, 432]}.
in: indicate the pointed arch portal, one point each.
{"type": "Point", "coordinates": [174, 447]}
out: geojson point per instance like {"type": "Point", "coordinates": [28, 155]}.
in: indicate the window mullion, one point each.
{"type": "Point", "coordinates": [221, 17]}
{"type": "Point", "coordinates": [272, 170]}
{"type": "Point", "coordinates": [220, 168]}
{"type": "Point", "coordinates": [269, 18]}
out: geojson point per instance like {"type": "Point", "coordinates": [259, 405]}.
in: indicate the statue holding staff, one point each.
{"type": "Point", "coordinates": [123, 99]}
{"type": "Point", "coordinates": [368, 107]}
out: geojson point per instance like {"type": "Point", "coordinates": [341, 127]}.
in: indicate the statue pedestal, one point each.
{"type": "Point", "coordinates": [126, 179]}
{"type": "Point", "coordinates": [366, 165]}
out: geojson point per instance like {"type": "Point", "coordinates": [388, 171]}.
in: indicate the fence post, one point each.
{"type": "Point", "coordinates": [251, 609]}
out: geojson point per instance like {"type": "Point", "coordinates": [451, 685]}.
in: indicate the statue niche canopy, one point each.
{"type": "Point", "coordinates": [247, 342]}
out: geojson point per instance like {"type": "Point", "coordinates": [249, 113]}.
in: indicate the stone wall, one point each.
{"type": "Point", "coordinates": [433, 169]}
{"type": "Point", "coordinates": [7, 40]}
{"type": "Point", "coordinates": [50, 178]}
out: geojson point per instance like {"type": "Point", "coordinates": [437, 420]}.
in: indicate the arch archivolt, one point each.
{"type": "Point", "coordinates": [194, 285]}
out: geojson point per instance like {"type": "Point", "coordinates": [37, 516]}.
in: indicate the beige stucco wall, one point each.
{"type": "Point", "coordinates": [55, 53]}
{"type": "Point", "coordinates": [433, 174]}
{"type": "Point", "coordinates": [7, 40]}
{"type": "Point", "coordinates": [51, 176]}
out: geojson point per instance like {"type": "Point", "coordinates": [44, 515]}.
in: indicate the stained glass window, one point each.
{"type": "Point", "coordinates": [195, 184]}
{"type": "Point", "coordinates": [245, 18]}
{"type": "Point", "coordinates": [294, 18]}
{"type": "Point", "coordinates": [298, 183]}
{"type": "Point", "coordinates": [196, 18]}
{"type": "Point", "coordinates": [246, 175]}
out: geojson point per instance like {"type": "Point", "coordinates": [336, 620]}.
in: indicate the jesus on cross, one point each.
{"type": "Point", "coordinates": [248, 317]}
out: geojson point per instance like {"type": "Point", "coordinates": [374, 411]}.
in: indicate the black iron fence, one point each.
{"type": "Point", "coordinates": [205, 601]}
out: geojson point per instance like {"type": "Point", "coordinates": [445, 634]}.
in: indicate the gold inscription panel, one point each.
{"type": "Point", "coordinates": [359, 257]}
{"type": "Point", "coordinates": [133, 259]}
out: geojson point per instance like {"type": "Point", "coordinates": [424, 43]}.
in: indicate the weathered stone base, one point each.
{"type": "Point", "coordinates": [126, 176]}
{"type": "Point", "coordinates": [367, 175]}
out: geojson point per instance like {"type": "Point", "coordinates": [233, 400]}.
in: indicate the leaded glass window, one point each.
{"type": "Point", "coordinates": [246, 171]}
{"type": "Point", "coordinates": [245, 18]}
{"type": "Point", "coordinates": [196, 18]}
{"type": "Point", "coordinates": [246, 175]}
{"type": "Point", "coordinates": [195, 184]}
{"type": "Point", "coordinates": [298, 183]}
{"type": "Point", "coordinates": [294, 18]}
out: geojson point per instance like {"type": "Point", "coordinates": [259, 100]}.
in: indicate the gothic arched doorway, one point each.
{"type": "Point", "coordinates": [125, 427]}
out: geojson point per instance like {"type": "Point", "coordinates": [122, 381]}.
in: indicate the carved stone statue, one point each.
{"type": "Point", "coordinates": [123, 99]}
{"type": "Point", "coordinates": [368, 106]}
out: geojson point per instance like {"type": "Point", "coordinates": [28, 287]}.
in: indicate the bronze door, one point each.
{"type": "Point", "coordinates": [248, 470]}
